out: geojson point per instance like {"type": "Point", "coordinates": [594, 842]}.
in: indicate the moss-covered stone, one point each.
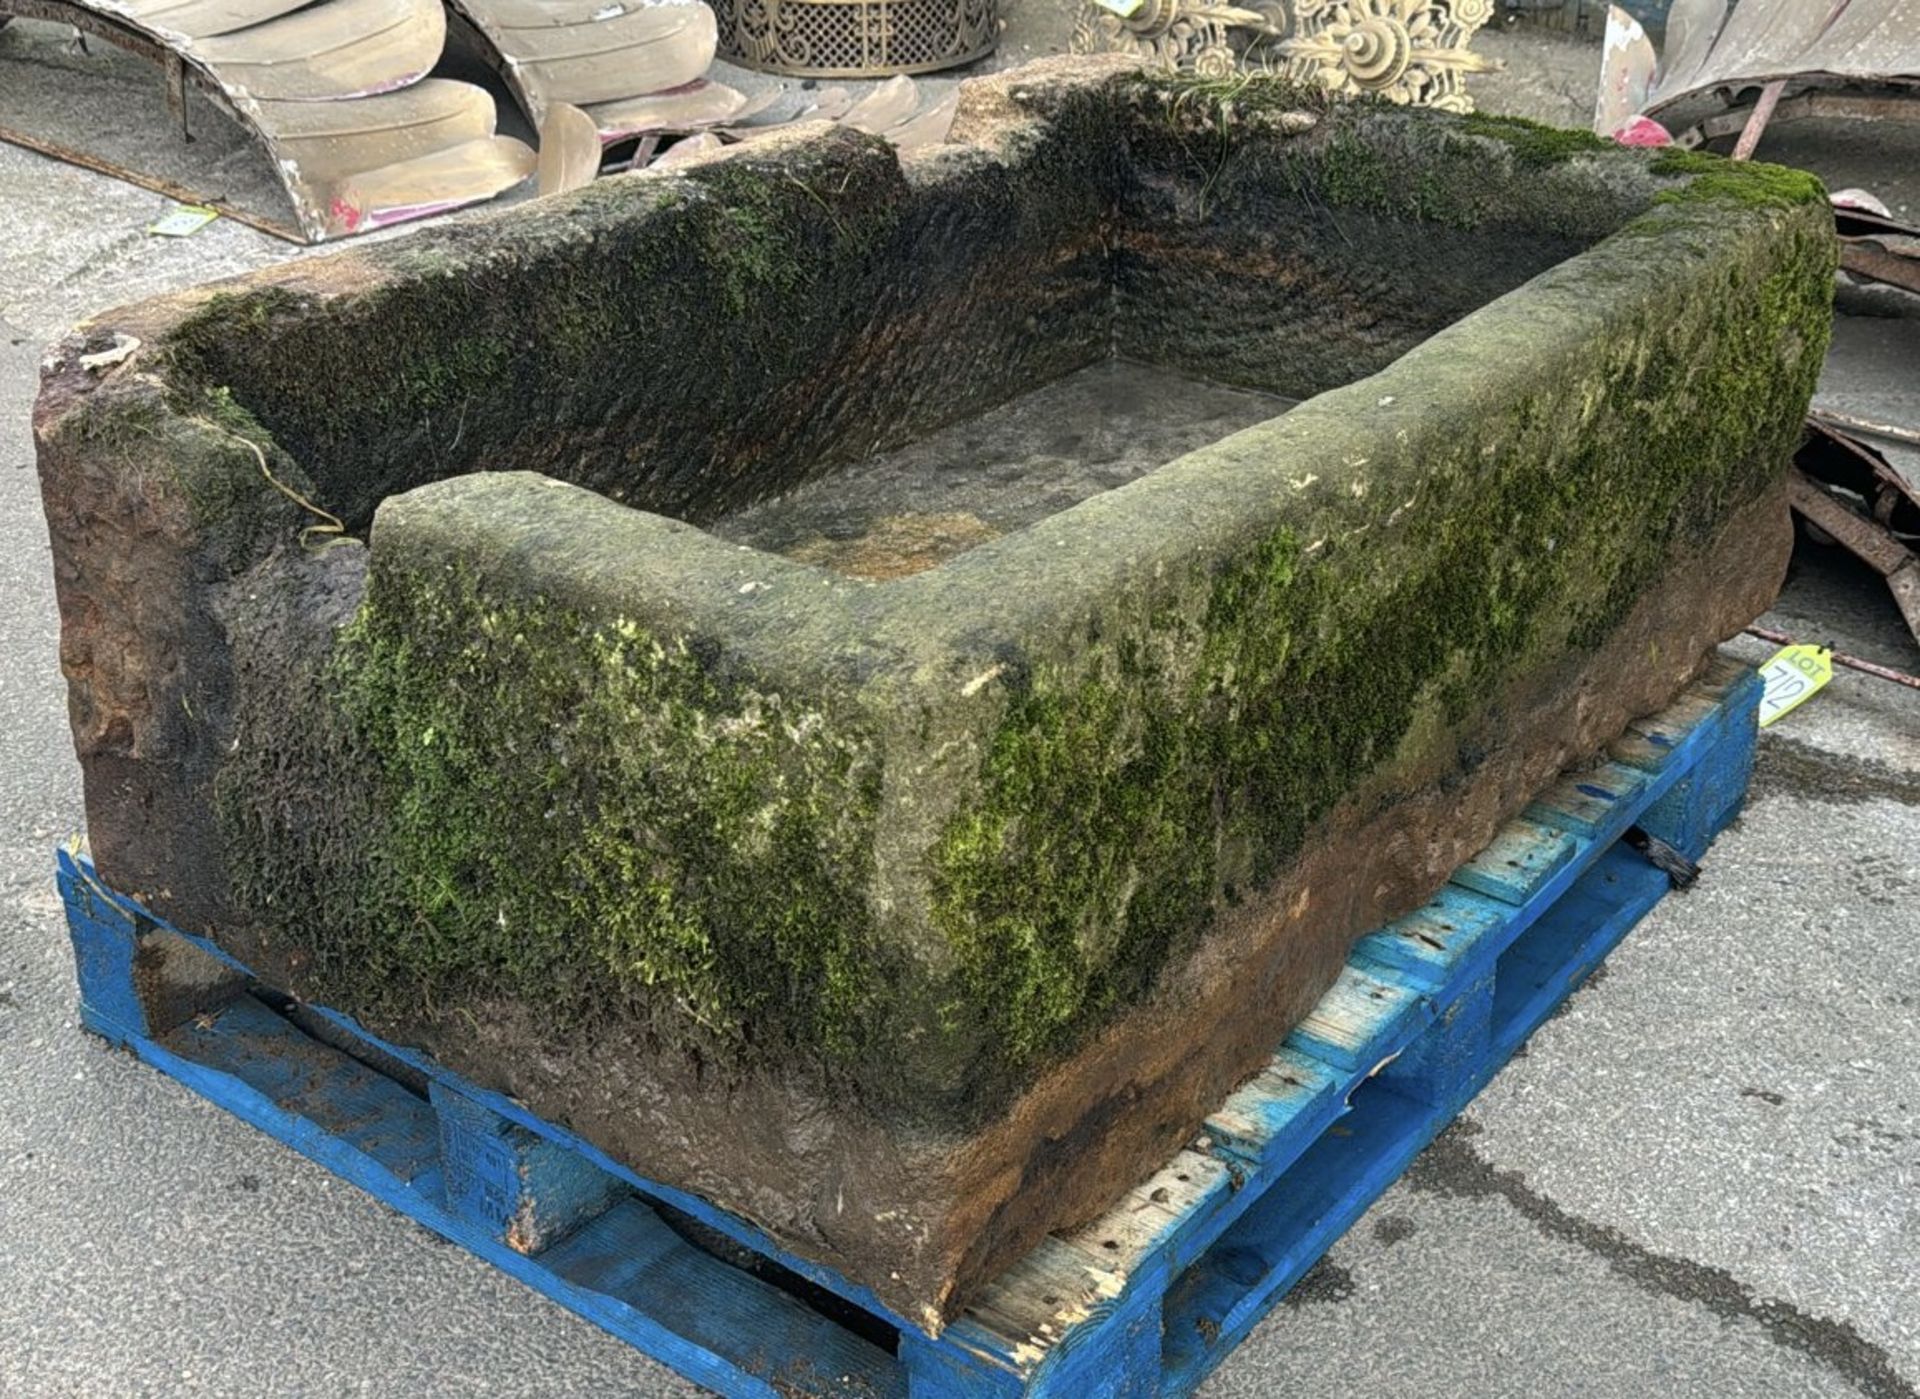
{"type": "Point", "coordinates": [544, 340]}
{"type": "Point", "coordinates": [1388, 162]}
{"type": "Point", "coordinates": [1176, 760]}
{"type": "Point", "coordinates": [573, 811]}
{"type": "Point", "coordinates": [977, 885]}
{"type": "Point", "coordinates": [1535, 146]}
{"type": "Point", "coordinates": [1749, 184]}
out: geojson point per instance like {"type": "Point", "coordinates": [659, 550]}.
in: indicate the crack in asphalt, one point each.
{"type": "Point", "coordinates": [1451, 1167]}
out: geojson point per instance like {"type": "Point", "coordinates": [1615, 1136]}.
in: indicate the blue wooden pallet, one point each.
{"type": "Point", "coordinates": [1143, 1302]}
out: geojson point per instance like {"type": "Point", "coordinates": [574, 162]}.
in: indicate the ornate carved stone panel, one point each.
{"type": "Point", "coordinates": [1412, 52]}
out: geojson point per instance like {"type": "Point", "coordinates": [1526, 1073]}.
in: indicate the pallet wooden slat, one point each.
{"type": "Point", "coordinates": [1356, 1022]}
{"type": "Point", "coordinates": [1434, 939]}
{"type": "Point", "coordinates": [1524, 856]}
{"type": "Point", "coordinates": [1585, 802]}
{"type": "Point", "coordinates": [1293, 1088]}
{"type": "Point", "coordinates": [1678, 719]}
{"type": "Point", "coordinates": [1143, 1301]}
{"type": "Point", "coordinates": [1637, 750]}
{"type": "Point", "coordinates": [1149, 1216]}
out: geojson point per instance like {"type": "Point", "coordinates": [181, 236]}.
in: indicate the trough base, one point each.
{"type": "Point", "coordinates": [941, 1210]}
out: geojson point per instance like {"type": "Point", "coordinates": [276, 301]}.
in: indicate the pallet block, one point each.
{"type": "Point", "coordinates": [1145, 1301]}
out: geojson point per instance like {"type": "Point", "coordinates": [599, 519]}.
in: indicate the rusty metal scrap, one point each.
{"type": "Point", "coordinates": [1723, 44]}
{"type": "Point", "coordinates": [1874, 245]}
{"type": "Point", "coordinates": [1815, 102]}
{"type": "Point", "coordinates": [1841, 658]}
{"type": "Point", "coordinates": [1726, 48]}
{"type": "Point", "coordinates": [1846, 422]}
{"type": "Point", "coordinates": [1868, 539]}
{"type": "Point", "coordinates": [1875, 263]}
{"type": "Point", "coordinates": [1718, 47]}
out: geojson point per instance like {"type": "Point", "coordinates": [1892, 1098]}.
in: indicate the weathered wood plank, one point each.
{"type": "Point", "coordinates": [1436, 938]}
{"type": "Point", "coordinates": [1637, 750]}
{"type": "Point", "coordinates": [1586, 803]}
{"type": "Point", "coordinates": [1525, 855]}
{"type": "Point", "coordinates": [1356, 1021]}
{"type": "Point", "coordinates": [1267, 1106]}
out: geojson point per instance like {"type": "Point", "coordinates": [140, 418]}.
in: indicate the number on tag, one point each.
{"type": "Point", "coordinates": [1792, 678]}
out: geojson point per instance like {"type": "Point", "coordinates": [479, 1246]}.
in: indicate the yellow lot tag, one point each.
{"type": "Point", "coordinates": [183, 219]}
{"type": "Point", "coordinates": [1792, 678]}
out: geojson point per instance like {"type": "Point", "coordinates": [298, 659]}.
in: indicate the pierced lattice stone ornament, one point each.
{"type": "Point", "coordinates": [855, 38]}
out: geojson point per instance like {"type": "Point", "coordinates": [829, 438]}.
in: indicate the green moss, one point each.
{"type": "Point", "coordinates": [226, 313]}
{"type": "Point", "coordinates": [761, 238]}
{"type": "Point", "coordinates": [574, 814]}
{"type": "Point", "coordinates": [1038, 890]}
{"type": "Point", "coordinates": [1355, 174]}
{"type": "Point", "coordinates": [1747, 183]}
{"type": "Point", "coordinates": [577, 816]}
{"type": "Point", "coordinates": [1175, 765]}
{"type": "Point", "coordinates": [522, 341]}
{"type": "Point", "coordinates": [1372, 158]}
{"type": "Point", "coordinates": [197, 448]}
{"type": "Point", "coordinates": [1534, 145]}
{"type": "Point", "coordinates": [348, 384]}
{"type": "Point", "coordinates": [1225, 101]}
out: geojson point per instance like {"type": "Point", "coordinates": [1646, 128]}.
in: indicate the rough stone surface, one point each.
{"type": "Point", "coordinates": [946, 904]}
{"type": "Point", "coordinates": [1031, 457]}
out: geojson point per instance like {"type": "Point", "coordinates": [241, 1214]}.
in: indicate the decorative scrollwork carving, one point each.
{"type": "Point", "coordinates": [1408, 51]}
{"type": "Point", "coordinates": [1189, 36]}
{"type": "Point", "coordinates": [1413, 52]}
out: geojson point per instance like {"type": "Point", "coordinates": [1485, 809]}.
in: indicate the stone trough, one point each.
{"type": "Point", "coordinates": [877, 691]}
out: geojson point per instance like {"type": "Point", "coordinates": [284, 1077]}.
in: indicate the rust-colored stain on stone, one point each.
{"type": "Point", "coordinates": [897, 546]}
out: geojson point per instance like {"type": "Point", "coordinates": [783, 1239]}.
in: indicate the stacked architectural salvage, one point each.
{"type": "Point", "coordinates": [338, 92]}
{"type": "Point", "coordinates": [360, 136]}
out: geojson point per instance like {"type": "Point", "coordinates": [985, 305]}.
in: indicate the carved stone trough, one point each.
{"type": "Point", "coordinates": [851, 684]}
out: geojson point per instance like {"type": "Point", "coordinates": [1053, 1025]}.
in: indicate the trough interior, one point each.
{"type": "Point", "coordinates": [736, 349]}
{"type": "Point", "coordinates": [901, 512]}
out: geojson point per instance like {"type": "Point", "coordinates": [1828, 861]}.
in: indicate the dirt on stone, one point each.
{"type": "Point", "coordinates": [897, 546]}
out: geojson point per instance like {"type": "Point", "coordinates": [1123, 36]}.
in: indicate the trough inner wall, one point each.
{"type": "Point", "coordinates": [745, 337]}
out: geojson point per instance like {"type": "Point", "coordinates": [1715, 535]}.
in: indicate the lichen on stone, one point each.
{"type": "Point", "coordinates": [574, 813]}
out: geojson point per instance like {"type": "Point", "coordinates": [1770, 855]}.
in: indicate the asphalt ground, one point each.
{"type": "Point", "coordinates": [1702, 1178]}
